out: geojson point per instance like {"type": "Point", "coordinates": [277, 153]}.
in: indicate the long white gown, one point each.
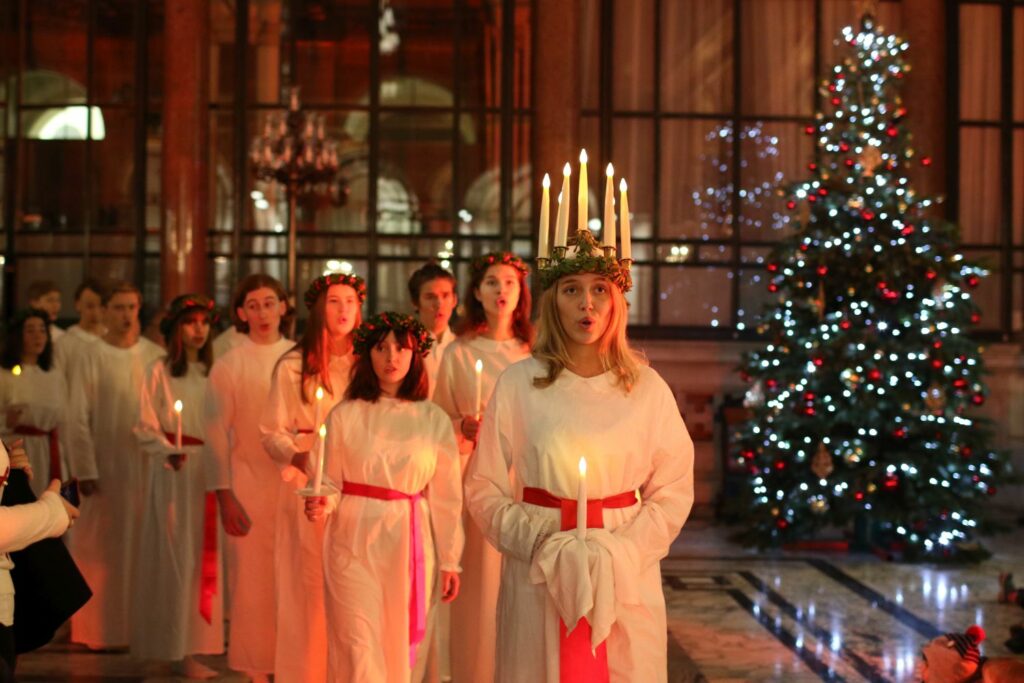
{"type": "Point", "coordinates": [102, 446]}
{"type": "Point", "coordinates": [168, 623]}
{"type": "Point", "coordinates": [405, 446]}
{"type": "Point", "coordinates": [473, 614]}
{"type": "Point", "coordinates": [534, 438]}
{"type": "Point", "coordinates": [69, 349]}
{"type": "Point", "coordinates": [44, 397]}
{"type": "Point", "coordinates": [432, 361]}
{"type": "Point", "coordinates": [236, 395]}
{"type": "Point", "coordinates": [298, 562]}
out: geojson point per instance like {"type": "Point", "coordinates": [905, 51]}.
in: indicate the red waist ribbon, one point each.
{"type": "Point", "coordinates": [208, 580]}
{"type": "Point", "coordinates": [417, 562]}
{"type": "Point", "coordinates": [577, 662]}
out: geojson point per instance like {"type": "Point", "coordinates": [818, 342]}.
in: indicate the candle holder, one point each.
{"type": "Point", "coordinates": [609, 252]}
{"type": "Point", "coordinates": [626, 263]}
{"type": "Point", "coordinates": [326, 491]}
{"type": "Point", "coordinates": [543, 262]}
{"type": "Point", "coordinates": [560, 252]}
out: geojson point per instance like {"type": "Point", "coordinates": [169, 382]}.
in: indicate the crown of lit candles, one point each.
{"type": "Point", "coordinates": [581, 253]}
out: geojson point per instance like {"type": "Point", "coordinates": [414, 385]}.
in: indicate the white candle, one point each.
{"type": "Point", "coordinates": [562, 221]}
{"type": "Point", "coordinates": [178, 407]}
{"type": "Point", "coordinates": [15, 394]}
{"type": "Point", "coordinates": [581, 501]}
{"type": "Point", "coordinates": [479, 387]}
{"type": "Point", "coordinates": [545, 203]}
{"type": "Point", "coordinates": [581, 218]}
{"type": "Point", "coordinates": [320, 455]}
{"type": "Point", "coordinates": [319, 416]}
{"type": "Point", "coordinates": [608, 236]}
{"type": "Point", "coordinates": [627, 250]}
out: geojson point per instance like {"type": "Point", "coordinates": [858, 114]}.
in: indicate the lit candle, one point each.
{"type": "Point", "coordinates": [562, 221]}
{"type": "Point", "coordinates": [581, 219]}
{"type": "Point", "coordinates": [16, 371]}
{"type": "Point", "coordinates": [479, 387]}
{"type": "Point", "coordinates": [608, 238]}
{"type": "Point", "coordinates": [627, 251]}
{"type": "Point", "coordinates": [320, 454]}
{"type": "Point", "coordinates": [545, 203]}
{"type": "Point", "coordinates": [318, 420]}
{"type": "Point", "coordinates": [581, 501]}
{"type": "Point", "coordinates": [178, 406]}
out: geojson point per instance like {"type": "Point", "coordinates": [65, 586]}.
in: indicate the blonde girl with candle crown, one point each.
{"type": "Point", "coordinates": [495, 332]}
{"type": "Point", "coordinates": [584, 392]}
{"type": "Point", "coordinates": [394, 535]}
{"type": "Point", "coordinates": [322, 360]}
{"type": "Point", "coordinates": [179, 540]}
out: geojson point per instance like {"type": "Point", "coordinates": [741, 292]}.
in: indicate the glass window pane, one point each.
{"type": "Point", "coordinates": [980, 47]}
{"type": "Point", "coordinates": [697, 186]}
{"type": "Point", "coordinates": [773, 154]}
{"type": "Point", "coordinates": [633, 55]}
{"type": "Point", "coordinates": [478, 189]}
{"type": "Point", "coordinates": [480, 33]}
{"type": "Point", "coordinates": [65, 271]}
{"type": "Point", "coordinates": [639, 297]}
{"type": "Point", "coordinates": [633, 156]}
{"type": "Point", "coordinates": [113, 70]}
{"type": "Point", "coordinates": [58, 64]}
{"type": "Point", "coordinates": [776, 46]}
{"type": "Point", "coordinates": [754, 296]}
{"type": "Point", "coordinates": [695, 297]}
{"type": "Point", "coordinates": [697, 56]}
{"type": "Point", "coordinates": [415, 184]}
{"type": "Point", "coordinates": [52, 192]}
{"type": "Point", "coordinates": [221, 179]}
{"type": "Point", "coordinates": [980, 196]}
{"type": "Point", "coordinates": [523, 181]}
{"type": "Point", "coordinates": [391, 283]}
{"type": "Point", "coordinates": [417, 51]}
{"type": "Point", "coordinates": [222, 51]}
{"type": "Point", "coordinates": [333, 51]}
{"type": "Point", "coordinates": [111, 176]}
{"type": "Point", "coordinates": [264, 51]}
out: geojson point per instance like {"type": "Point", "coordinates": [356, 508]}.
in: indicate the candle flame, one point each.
{"type": "Point", "coordinates": [610, 171]}
{"type": "Point", "coordinates": [323, 431]}
{"type": "Point", "coordinates": [479, 366]}
{"type": "Point", "coordinates": [583, 156]}
{"type": "Point", "coordinates": [622, 185]}
{"type": "Point", "coordinates": [319, 393]}
{"type": "Point", "coordinates": [16, 371]}
{"type": "Point", "coordinates": [546, 182]}
{"type": "Point", "coordinates": [178, 406]}
{"type": "Point", "coordinates": [583, 467]}
{"type": "Point", "coordinates": [567, 169]}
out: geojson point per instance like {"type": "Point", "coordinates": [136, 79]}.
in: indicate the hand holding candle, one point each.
{"type": "Point", "coordinates": [479, 388]}
{"type": "Point", "coordinates": [581, 501]}
{"type": "Point", "coordinates": [320, 452]}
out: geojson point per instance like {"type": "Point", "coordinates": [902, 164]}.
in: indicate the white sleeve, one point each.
{"type": "Point", "coordinates": [148, 430]}
{"type": "Point", "coordinates": [277, 420]}
{"type": "Point", "coordinates": [444, 496]}
{"type": "Point", "coordinates": [219, 417]}
{"type": "Point", "coordinates": [23, 525]}
{"type": "Point", "coordinates": [81, 448]}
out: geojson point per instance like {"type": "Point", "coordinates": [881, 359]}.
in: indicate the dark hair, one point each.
{"type": "Point", "coordinates": [313, 347]}
{"type": "Point", "coordinates": [120, 287]}
{"type": "Point", "coordinates": [40, 288]}
{"type": "Point", "coordinates": [366, 386]}
{"type": "Point", "coordinates": [248, 284]}
{"type": "Point", "coordinates": [15, 342]}
{"type": "Point", "coordinates": [430, 271]}
{"type": "Point", "coordinates": [177, 356]}
{"type": "Point", "coordinates": [89, 284]}
{"type": "Point", "coordinates": [475, 320]}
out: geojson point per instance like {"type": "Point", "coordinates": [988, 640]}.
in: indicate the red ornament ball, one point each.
{"type": "Point", "coordinates": [978, 399]}
{"type": "Point", "coordinates": [966, 451]}
{"type": "Point", "coordinates": [772, 287]}
{"type": "Point", "coordinates": [892, 131]}
{"type": "Point", "coordinates": [771, 383]}
{"type": "Point", "coordinates": [790, 205]}
{"type": "Point", "coordinates": [822, 270]}
{"type": "Point", "coordinates": [931, 274]}
{"type": "Point", "coordinates": [810, 130]}
{"type": "Point", "coordinates": [972, 280]}
{"type": "Point", "coordinates": [926, 161]}
{"type": "Point", "coordinates": [874, 374]}
{"type": "Point", "coordinates": [975, 318]}
{"type": "Point", "coordinates": [844, 147]}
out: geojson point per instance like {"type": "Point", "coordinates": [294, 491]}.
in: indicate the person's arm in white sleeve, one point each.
{"type": "Point", "coordinates": [220, 415]}
{"type": "Point", "coordinates": [283, 403]}
{"type": "Point", "coordinates": [81, 453]}
{"type": "Point", "coordinates": [444, 496]}
{"type": "Point", "coordinates": [149, 432]}
{"type": "Point", "coordinates": [23, 525]}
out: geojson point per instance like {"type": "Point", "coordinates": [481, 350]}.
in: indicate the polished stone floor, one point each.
{"type": "Point", "coordinates": [738, 616]}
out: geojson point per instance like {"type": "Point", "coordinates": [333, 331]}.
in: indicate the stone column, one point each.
{"type": "Point", "coordinates": [184, 155]}
{"type": "Point", "coordinates": [925, 91]}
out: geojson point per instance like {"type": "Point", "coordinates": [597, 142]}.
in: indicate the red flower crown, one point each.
{"type": "Point", "coordinates": [499, 258]}
{"type": "Point", "coordinates": [396, 322]}
{"type": "Point", "coordinates": [324, 282]}
{"type": "Point", "coordinates": [186, 303]}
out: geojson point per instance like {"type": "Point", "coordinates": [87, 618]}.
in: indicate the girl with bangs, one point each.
{"type": "Point", "coordinates": [496, 332]}
{"type": "Point", "coordinates": [572, 608]}
{"type": "Point", "coordinates": [322, 360]}
{"type": "Point", "coordinates": [393, 536]}
{"type": "Point", "coordinates": [178, 539]}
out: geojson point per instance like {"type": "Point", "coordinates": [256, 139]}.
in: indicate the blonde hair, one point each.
{"type": "Point", "coordinates": [615, 352]}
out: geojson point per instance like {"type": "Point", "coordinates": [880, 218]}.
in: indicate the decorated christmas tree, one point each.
{"type": "Point", "coordinates": [863, 388]}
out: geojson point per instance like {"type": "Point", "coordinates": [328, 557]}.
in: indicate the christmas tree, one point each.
{"type": "Point", "coordinates": [863, 387]}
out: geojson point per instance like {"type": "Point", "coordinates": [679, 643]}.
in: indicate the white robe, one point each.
{"type": "Point", "coordinates": [406, 446]}
{"type": "Point", "coordinates": [21, 526]}
{"type": "Point", "coordinates": [227, 340]}
{"type": "Point", "coordinates": [473, 614]}
{"type": "Point", "coordinates": [168, 625]}
{"type": "Point", "coordinates": [236, 395]}
{"type": "Point", "coordinates": [534, 438]}
{"type": "Point", "coordinates": [56, 332]}
{"type": "Point", "coordinates": [44, 397]}
{"type": "Point", "coordinates": [298, 561]}
{"type": "Point", "coordinates": [432, 362]}
{"type": "Point", "coordinates": [102, 446]}
{"type": "Point", "coordinates": [68, 351]}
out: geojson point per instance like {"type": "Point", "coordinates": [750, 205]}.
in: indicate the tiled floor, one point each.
{"type": "Point", "coordinates": [737, 616]}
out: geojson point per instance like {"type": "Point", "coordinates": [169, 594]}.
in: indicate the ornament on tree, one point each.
{"type": "Point", "coordinates": [870, 159]}
{"type": "Point", "coordinates": [850, 378]}
{"type": "Point", "coordinates": [935, 398]}
{"type": "Point", "coordinates": [754, 396]}
{"type": "Point", "coordinates": [818, 505]}
{"type": "Point", "coordinates": [821, 463]}
{"type": "Point", "coordinates": [851, 451]}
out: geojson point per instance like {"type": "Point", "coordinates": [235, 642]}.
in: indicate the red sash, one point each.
{"type": "Point", "coordinates": [577, 663]}
{"type": "Point", "coordinates": [208, 582]}
{"type": "Point", "coordinates": [26, 430]}
{"type": "Point", "coordinates": [417, 562]}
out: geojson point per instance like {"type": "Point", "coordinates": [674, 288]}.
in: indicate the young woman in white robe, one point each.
{"type": "Point", "coordinates": [433, 297]}
{"type": "Point", "coordinates": [321, 360]}
{"type": "Point", "coordinates": [583, 393]}
{"type": "Point", "coordinates": [103, 454]}
{"type": "Point", "coordinates": [244, 475]}
{"type": "Point", "coordinates": [495, 332]}
{"type": "Point", "coordinates": [179, 544]}
{"type": "Point", "coordinates": [394, 535]}
{"type": "Point", "coordinates": [34, 397]}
